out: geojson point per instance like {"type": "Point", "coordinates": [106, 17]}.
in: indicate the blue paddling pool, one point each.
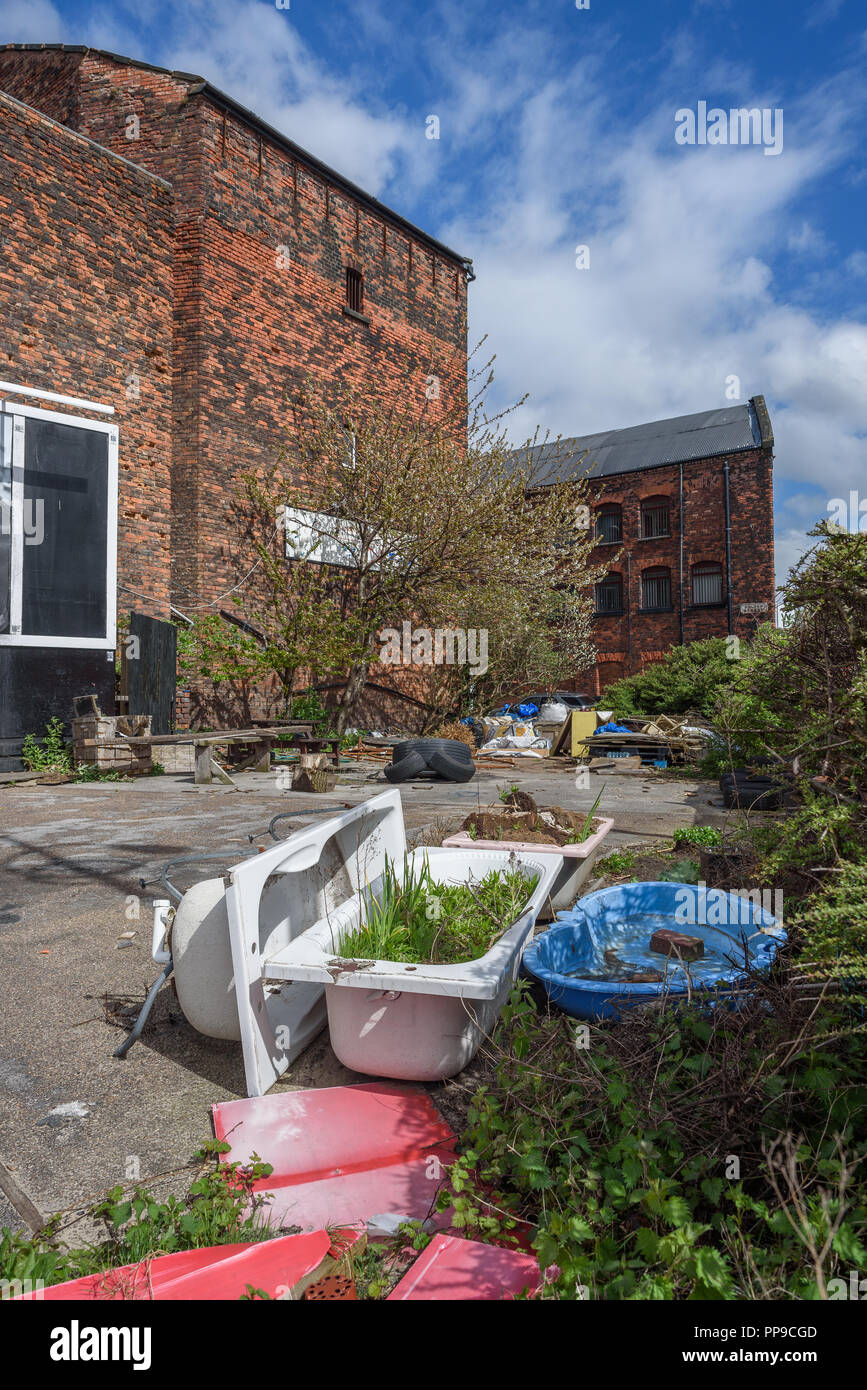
{"type": "Point", "coordinates": [596, 959]}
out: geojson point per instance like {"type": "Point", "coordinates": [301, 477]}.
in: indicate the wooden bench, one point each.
{"type": "Point", "coordinates": [308, 744]}
{"type": "Point", "coordinates": [261, 742]}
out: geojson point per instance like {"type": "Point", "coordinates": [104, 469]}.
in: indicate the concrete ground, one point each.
{"type": "Point", "coordinates": [75, 1121]}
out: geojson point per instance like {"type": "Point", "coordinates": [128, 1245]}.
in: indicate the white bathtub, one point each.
{"type": "Point", "coordinates": [423, 1022]}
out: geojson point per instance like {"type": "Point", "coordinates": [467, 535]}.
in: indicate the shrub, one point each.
{"type": "Point", "coordinates": [690, 677]}
{"type": "Point", "coordinates": [617, 1145]}
{"type": "Point", "coordinates": [707, 836]}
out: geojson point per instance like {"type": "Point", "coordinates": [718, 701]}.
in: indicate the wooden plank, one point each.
{"type": "Point", "coordinates": [202, 775]}
{"type": "Point", "coordinates": [222, 775]}
{"type": "Point", "coordinates": [26, 1209]}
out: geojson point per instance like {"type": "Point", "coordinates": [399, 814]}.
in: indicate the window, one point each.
{"type": "Point", "coordinates": [656, 589]}
{"type": "Point", "coordinates": [350, 457]}
{"type": "Point", "coordinates": [354, 290]}
{"type": "Point", "coordinates": [654, 517]}
{"type": "Point", "coordinates": [707, 584]}
{"type": "Point", "coordinates": [609, 525]}
{"type": "Point", "coordinates": [609, 595]}
{"type": "Point", "coordinates": [58, 529]}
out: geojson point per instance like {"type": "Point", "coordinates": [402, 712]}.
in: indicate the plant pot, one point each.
{"type": "Point", "coordinates": [577, 859]}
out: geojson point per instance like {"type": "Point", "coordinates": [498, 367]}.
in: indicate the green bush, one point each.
{"type": "Point", "coordinates": [617, 1146]}
{"type": "Point", "coordinates": [690, 677]}
{"type": "Point", "coordinates": [833, 922]}
{"type": "Point", "coordinates": [707, 836]}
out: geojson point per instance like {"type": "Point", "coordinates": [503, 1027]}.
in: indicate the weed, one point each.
{"type": "Point", "coordinates": [221, 1208]}
{"type": "Point", "coordinates": [617, 863]}
{"type": "Point", "coordinates": [49, 754]}
{"type": "Point", "coordinates": [705, 836]}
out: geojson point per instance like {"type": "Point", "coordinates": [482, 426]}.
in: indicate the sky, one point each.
{"type": "Point", "coordinates": [711, 272]}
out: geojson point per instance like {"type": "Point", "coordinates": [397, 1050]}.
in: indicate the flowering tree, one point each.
{"type": "Point", "coordinates": [415, 512]}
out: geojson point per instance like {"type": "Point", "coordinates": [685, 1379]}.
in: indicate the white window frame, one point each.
{"type": "Point", "coordinates": [13, 452]}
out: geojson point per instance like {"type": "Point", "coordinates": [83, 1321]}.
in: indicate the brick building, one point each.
{"type": "Point", "coordinates": [167, 253]}
{"type": "Point", "coordinates": [684, 518]}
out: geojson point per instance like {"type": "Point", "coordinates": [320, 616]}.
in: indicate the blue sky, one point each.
{"type": "Point", "coordinates": [557, 130]}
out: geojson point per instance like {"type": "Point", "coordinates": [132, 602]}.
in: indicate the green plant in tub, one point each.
{"type": "Point", "coordinates": [415, 920]}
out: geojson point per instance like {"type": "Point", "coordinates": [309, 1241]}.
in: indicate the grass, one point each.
{"type": "Point", "coordinates": [616, 863]}
{"type": "Point", "coordinates": [414, 920]}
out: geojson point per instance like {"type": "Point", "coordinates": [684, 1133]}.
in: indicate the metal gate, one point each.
{"type": "Point", "coordinates": [151, 666]}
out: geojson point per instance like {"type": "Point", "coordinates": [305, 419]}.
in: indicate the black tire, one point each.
{"type": "Point", "coordinates": [752, 794]}
{"type": "Point", "coordinates": [413, 765]}
{"type": "Point", "coordinates": [426, 746]}
{"type": "Point", "coordinates": [452, 768]}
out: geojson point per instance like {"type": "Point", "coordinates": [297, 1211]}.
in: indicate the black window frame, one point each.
{"type": "Point", "coordinates": [651, 506]}
{"type": "Point", "coordinates": [656, 574]}
{"type": "Point", "coordinates": [610, 582]}
{"type": "Point", "coordinates": [609, 511]}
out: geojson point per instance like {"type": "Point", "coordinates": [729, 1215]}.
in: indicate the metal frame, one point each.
{"type": "Point", "coordinates": [19, 414]}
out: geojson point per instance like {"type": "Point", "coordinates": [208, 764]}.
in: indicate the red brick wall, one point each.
{"type": "Point", "coordinates": [45, 80]}
{"type": "Point", "coordinates": [86, 296]}
{"type": "Point", "coordinates": [626, 644]}
{"type": "Point", "coordinates": [246, 327]}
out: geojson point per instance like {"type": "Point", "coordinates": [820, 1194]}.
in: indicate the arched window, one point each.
{"type": "Point", "coordinates": [609, 594]}
{"type": "Point", "coordinates": [609, 524]}
{"type": "Point", "coordinates": [707, 583]}
{"type": "Point", "coordinates": [654, 517]}
{"type": "Point", "coordinates": [656, 588]}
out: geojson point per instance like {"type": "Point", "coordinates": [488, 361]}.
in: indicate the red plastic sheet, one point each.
{"type": "Point", "coordinates": [216, 1272]}
{"type": "Point", "coordinates": [466, 1270]}
{"type": "Point", "coordinates": [343, 1154]}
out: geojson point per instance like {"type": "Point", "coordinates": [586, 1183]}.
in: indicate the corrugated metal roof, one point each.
{"type": "Point", "coordinates": [706, 434]}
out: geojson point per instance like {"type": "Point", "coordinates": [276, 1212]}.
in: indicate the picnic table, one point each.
{"type": "Point", "coordinates": [260, 741]}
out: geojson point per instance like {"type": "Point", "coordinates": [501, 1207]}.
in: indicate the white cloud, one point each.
{"type": "Point", "coordinates": [30, 21]}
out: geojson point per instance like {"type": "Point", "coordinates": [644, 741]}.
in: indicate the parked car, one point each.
{"type": "Point", "coordinates": [570, 698]}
